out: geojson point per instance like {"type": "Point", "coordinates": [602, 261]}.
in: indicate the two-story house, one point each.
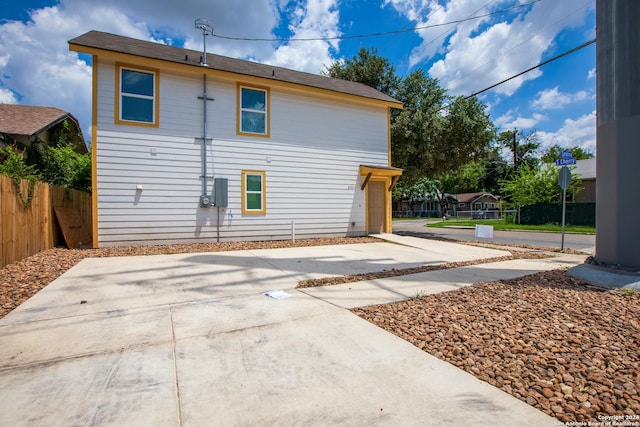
{"type": "Point", "coordinates": [191, 151]}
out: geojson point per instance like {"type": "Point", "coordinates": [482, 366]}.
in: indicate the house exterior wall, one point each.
{"type": "Point", "coordinates": [484, 202]}
{"type": "Point", "coordinates": [588, 192]}
{"type": "Point", "coordinates": [149, 178]}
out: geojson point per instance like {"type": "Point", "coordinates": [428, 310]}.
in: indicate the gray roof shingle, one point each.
{"type": "Point", "coordinates": [147, 49]}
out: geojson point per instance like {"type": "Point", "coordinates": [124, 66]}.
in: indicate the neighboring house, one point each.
{"type": "Point", "coordinates": [24, 125]}
{"type": "Point", "coordinates": [469, 204]}
{"type": "Point", "coordinates": [587, 171]}
{"type": "Point", "coordinates": [232, 149]}
{"type": "Point", "coordinates": [425, 207]}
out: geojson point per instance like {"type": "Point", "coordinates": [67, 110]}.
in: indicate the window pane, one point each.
{"type": "Point", "coordinates": [137, 82]}
{"type": "Point", "coordinates": [254, 183]}
{"type": "Point", "coordinates": [254, 201]}
{"type": "Point", "coordinates": [137, 109]}
{"type": "Point", "coordinates": [253, 122]}
{"type": "Point", "coordinates": [254, 99]}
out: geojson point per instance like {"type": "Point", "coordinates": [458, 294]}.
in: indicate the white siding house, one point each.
{"type": "Point", "coordinates": [296, 150]}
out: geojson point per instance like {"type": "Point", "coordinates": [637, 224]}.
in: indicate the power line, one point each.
{"type": "Point", "coordinates": [575, 49]}
{"type": "Point", "coordinates": [385, 33]}
{"type": "Point", "coordinates": [448, 30]}
{"type": "Point", "coordinates": [494, 60]}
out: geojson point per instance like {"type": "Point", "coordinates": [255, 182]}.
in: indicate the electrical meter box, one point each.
{"type": "Point", "coordinates": [205, 201]}
{"type": "Point", "coordinates": [220, 191]}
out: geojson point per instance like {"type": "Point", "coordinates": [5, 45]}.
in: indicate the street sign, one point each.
{"type": "Point", "coordinates": [565, 162]}
{"type": "Point", "coordinates": [564, 177]}
{"type": "Point", "coordinates": [566, 154]}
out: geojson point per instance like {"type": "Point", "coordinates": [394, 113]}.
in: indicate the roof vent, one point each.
{"type": "Point", "coordinates": [207, 30]}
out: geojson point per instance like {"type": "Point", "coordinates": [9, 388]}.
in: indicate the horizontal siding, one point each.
{"type": "Point", "coordinates": [311, 161]}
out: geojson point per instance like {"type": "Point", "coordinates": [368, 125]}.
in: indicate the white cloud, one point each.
{"type": "Point", "coordinates": [508, 121]}
{"type": "Point", "coordinates": [7, 97]}
{"type": "Point", "coordinates": [591, 74]}
{"type": "Point", "coordinates": [479, 53]}
{"type": "Point", "coordinates": [36, 67]}
{"type": "Point", "coordinates": [580, 132]}
{"type": "Point", "coordinates": [320, 18]}
{"type": "Point", "coordinates": [505, 118]}
{"type": "Point", "coordinates": [552, 99]}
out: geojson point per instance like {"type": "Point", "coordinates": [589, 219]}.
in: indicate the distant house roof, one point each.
{"type": "Point", "coordinates": [120, 44]}
{"type": "Point", "coordinates": [586, 168]}
{"type": "Point", "coordinates": [470, 197]}
{"type": "Point", "coordinates": [30, 120]}
{"type": "Point", "coordinates": [27, 119]}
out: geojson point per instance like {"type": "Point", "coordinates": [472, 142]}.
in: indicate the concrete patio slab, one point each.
{"type": "Point", "coordinates": [131, 387]}
{"type": "Point", "coordinates": [331, 368]}
{"type": "Point", "coordinates": [191, 340]}
{"type": "Point", "coordinates": [108, 284]}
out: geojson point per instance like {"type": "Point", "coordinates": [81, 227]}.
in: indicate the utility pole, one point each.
{"type": "Point", "coordinates": [515, 150]}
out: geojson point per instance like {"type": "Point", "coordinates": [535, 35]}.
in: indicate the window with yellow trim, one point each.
{"type": "Point", "coordinates": [254, 193]}
{"type": "Point", "coordinates": [137, 96]}
{"type": "Point", "coordinates": [253, 111]}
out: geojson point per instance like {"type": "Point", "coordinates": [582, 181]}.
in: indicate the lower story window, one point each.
{"type": "Point", "coordinates": [254, 192]}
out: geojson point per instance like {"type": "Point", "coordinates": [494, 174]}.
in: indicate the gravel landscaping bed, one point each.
{"type": "Point", "coordinates": [395, 272]}
{"type": "Point", "coordinates": [568, 349]}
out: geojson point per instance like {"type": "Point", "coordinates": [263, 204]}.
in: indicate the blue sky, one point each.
{"type": "Point", "coordinates": [496, 40]}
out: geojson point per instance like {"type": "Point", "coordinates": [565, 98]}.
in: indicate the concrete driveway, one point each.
{"type": "Point", "coordinates": [191, 340]}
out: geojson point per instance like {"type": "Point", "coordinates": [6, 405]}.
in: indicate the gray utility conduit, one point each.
{"type": "Point", "coordinates": [204, 142]}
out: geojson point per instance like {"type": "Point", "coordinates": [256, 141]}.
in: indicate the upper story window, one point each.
{"type": "Point", "coordinates": [253, 111]}
{"type": "Point", "coordinates": [137, 96]}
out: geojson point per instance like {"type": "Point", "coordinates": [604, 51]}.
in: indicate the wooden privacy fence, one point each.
{"type": "Point", "coordinates": [25, 231]}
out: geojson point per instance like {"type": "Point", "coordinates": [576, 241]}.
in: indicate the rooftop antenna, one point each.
{"type": "Point", "coordinates": [207, 30]}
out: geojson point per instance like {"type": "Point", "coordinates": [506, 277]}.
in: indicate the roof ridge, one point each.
{"type": "Point", "coordinates": [153, 50]}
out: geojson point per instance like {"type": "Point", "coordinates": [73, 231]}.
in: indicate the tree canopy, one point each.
{"type": "Point", "coordinates": [368, 68]}
{"type": "Point", "coordinates": [555, 152]}
{"type": "Point", "coordinates": [435, 133]}
{"type": "Point", "coordinates": [531, 184]}
{"type": "Point", "coordinates": [523, 146]}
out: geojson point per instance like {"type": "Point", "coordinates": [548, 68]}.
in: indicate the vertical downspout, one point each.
{"type": "Point", "coordinates": [204, 135]}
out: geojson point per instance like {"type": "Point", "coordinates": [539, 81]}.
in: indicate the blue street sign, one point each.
{"type": "Point", "coordinates": [566, 154]}
{"type": "Point", "coordinates": [565, 162]}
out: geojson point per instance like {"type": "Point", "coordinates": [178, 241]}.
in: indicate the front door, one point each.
{"type": "Point", "coordinates": [376, 207]}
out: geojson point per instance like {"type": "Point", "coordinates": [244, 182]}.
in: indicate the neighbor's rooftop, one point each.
{"type": "Point", "coordinates": [28, 120]}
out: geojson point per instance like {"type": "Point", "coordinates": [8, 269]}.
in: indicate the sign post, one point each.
{"type": "Point", "coordinates": [564, 179]}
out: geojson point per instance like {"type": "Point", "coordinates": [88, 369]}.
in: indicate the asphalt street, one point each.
{"type": "Point", "coordinates": [580, 242]}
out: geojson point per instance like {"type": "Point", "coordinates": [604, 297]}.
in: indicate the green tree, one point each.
{"type": "Point", "coordinates": [467, 133]}
{"type": "Point", "coordinates": [430, 139]}
{"type": "Point", "coordinates": [416, 129]}
{"type": "Point", "coordinates": [417, 192]}
{"type": "Point", "coordinates": [13, 165]}
{"type": "Point", "coordinates": [64, 167]}
{"type": "Point", "coordinates": [467, 180]}
{"type": "Point", "coordinates": [59, 163]}
{"type": "Point", "coordinates": [523, 146]}
{"type": "Point", "coordinates": [368, 68]}
{"type": "Point", "coordinates": [555, 152]}
{"type": "Point", "coordinates": [434, 133]}
{"type": "Point", "coordinates": [532, 184]}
